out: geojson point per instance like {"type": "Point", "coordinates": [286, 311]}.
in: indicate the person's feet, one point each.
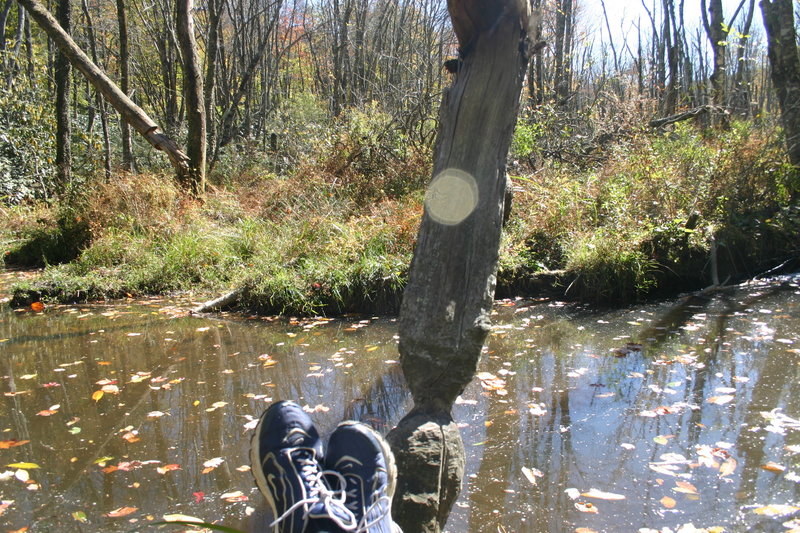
{"type": "Point", "coordinates": [285, 457]}
{"type": "Point", "coordinates": [364, 459]}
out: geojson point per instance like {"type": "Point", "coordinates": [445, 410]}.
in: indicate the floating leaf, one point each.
{"type": "Point", "coordinates": [776, 509]}
{"type": "Point", "coordinates": [727, 468]}
{"type": "Point", "coordinates": [167, 468]}
{"type": "Point", "coordinates": [28, 376]}
{"type": "Point", "coordinates": [720, 400]}
{"type": "Point", "coordinates": [600, 495]}
{"type": "Point", "coordinates": [37, 306]}
{"type": "Point", "coordinates": [6, 444]}
{"type": "Point", "coordinates": [74, 430]}
{"type": "Point", "coordinates": [96, 395]}
{"type": "Point", "coordinates": [668, 502]}
{"type": "Point", "coordinates": [235, 496]}
{"type": "Point", "coordinates": [773, 467]}
{"type": "Point", "coordinates": [685, 487]}
{"type": "Point", "coordinates": [22, 475]}
{"type": "Point", "coordinates": [80, 516]}
{"type": "Point", "coordinates": [211, 464]}
{"type": "Point", "coordinates": [182, 518]}
{"type": "Point", "coordinates": [25, 466]}
{"type": "Point", "coordinates": [121, 511]}
{"type": "Point", "coordinates": [586, 507]}
{"type": "Point", "coordinates": [660, 439]}
{"type": "Point", "coordinates": [531, 474]}
{"type": "Point", "coordinates": [573, 493]}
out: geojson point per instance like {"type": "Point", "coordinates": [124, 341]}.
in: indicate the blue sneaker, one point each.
{"type": "Point", "coordinates": [365, 461]}
{"type": "Point", "coordinates": [285, 455]}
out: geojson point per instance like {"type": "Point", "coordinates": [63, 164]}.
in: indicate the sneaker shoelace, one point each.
{"type": "Point", "coordinates": [378, 498]}
{"type": "Point", "coordinates": [318, 491]}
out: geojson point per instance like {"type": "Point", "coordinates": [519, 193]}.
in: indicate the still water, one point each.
{"type": "Point", "coordinates": [655, 416]}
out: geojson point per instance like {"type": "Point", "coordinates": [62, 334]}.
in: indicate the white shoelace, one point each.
{"type": "Point", "coordinates": [319, 491]}
{"type": "Point", "coordinates": [364, 525]}
{"type": "Point", "coordinates": [378, 499]}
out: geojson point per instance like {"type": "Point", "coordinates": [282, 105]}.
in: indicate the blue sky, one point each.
{"type": "Point", "coordinates": [622, 14]}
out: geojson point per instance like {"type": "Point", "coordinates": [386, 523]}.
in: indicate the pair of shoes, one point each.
{"type": "Point", "coordinates": [348, 489]}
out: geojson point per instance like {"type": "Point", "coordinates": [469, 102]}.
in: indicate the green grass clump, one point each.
{"type": "Point", "coordinates": [336, 232]}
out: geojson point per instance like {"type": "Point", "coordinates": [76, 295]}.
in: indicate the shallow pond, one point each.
{"type": "Point", "coordinates": [655, 416]}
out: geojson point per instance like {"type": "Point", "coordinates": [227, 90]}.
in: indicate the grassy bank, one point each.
{"type": "Point", "coordinates": [335, 232]}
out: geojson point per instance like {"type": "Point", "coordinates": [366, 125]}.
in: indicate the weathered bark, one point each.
{"type": "Point", "coordinates": [63, 130]}
{"type": "Point", "coordinates": [195, 103]}
{"type": "Point", "coordinates": [132, 113]}
{"type": "Point", "coordinates": [444, 318]}
{"type": "Point", "coordinates": [785, 62]}
{"type": "Point", "coordinates": [128, 163]}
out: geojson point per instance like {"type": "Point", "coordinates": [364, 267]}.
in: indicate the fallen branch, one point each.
{"type": "Point", "coordinates": [686, 115]}
{"type": "Point", "coordinates": [226, 300]}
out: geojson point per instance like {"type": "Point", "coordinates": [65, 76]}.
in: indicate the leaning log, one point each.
{"type": "Point", "coordinates": [130, 112]}
{"type": "Point", "coordinates": [444, 317]}
{"type": "Point", "coordinates": [686, 115]}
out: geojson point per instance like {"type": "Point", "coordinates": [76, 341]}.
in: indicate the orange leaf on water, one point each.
{"type": "Point", "coordinates": [167, 468]}
{"type": "Point", "coordinates": [96, 395]}
{"type": "Point", "coordinates": [37, 306]}
{"type": "Point", "coordinates": [668, 502]}
{"type": "Point", "coordinates": [121, 511]}
{"type": "Point", "coordinates": [685, 487]}
{"type": "Point", "coordinates": [773, 467]}
{"type": "Point", "coordinates": [6, 444]}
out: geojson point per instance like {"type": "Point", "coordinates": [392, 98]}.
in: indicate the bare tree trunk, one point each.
{"type": "Point", "coordinates": [195, 104]}
{"type": "Point", "coordinates": [101, 104]}
{"type": "Point", "coordinates": [785, 61]}
{"type": "Point", "coordinates": [63, 73]}
{"type": "Point", "coordinates": [212, 53]}
{"type": "Point", "coordinates": [714, 24]}
{"type": "Point", "coordinates": [743, 77]}
{"type": "Point", "coordinates": [444, 317]}
{"type": "Point", "coordinates": [132, 113]}
{"type": "Point", "coordinates": [128, 163]}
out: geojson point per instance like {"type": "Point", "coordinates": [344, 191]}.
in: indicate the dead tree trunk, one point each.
{"type": "Point", "coordinates": [132, 113]}
{"type": "Point", "coordinates": [444, 318]}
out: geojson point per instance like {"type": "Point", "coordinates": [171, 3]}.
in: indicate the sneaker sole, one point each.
{"type": "Point", "coordinates": [388, 456]}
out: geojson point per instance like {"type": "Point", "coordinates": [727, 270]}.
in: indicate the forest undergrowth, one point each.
{"type": "Point", "coordinates": [326, 224]}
